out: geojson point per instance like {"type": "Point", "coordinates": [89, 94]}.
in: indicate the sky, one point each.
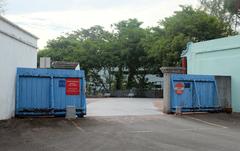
{"type": "Point", "coordinates": [48, 19]}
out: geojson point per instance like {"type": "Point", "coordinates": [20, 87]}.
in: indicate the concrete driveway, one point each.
{"type": "Point", "coordinates": [122, 107]}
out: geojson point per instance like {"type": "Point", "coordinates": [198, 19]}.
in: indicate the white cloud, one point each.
{"type": "Point", "coordinates": [50, 24]}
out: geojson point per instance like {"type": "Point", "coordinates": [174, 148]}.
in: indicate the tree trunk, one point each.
{"type": "Point", "coordinates": [119, 78]}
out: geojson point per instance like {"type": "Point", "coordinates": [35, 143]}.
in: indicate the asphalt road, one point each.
{"type": "Point", "coordinates": [151, 132]}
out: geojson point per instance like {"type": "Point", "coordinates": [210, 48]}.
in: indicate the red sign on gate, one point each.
{"type": "Point", "coordinates": [179, 88]}
{"type": "Point", "coordinates": [72, 86]}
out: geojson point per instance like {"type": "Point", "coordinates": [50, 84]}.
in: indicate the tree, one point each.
{"type": "Point", "coordinates": [121, 59]}
{"type": "Point", "coordinates": [186, 25]}
{"type": "Point", "coordinates": [130, 34]}
{"type": "Point", "coordinates": [233, 8]}
{"type": "Point", "coordinates": [195, 24]}
{"type": "Point", "coordinates": [92, 48]}
{"type": "Point", "coordinates": [226, 10]}
{"type": "Point", "coordinates": [215, 8]}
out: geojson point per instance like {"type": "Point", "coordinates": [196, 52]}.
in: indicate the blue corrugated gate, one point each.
{"type": "Point", "coordinates": [49, 92]}
{"type": "Point", "coordinates": [194, 93]}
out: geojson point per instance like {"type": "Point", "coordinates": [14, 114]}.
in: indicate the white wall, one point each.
{"type": "Point", "coordinates": [17, 49]}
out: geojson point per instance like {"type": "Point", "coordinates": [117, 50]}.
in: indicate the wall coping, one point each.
{"type": "Point", "coordinates": [177, 70]}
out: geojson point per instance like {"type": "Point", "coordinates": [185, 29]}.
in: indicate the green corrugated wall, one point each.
{"type": "Point", "coordinates": [217, 57]}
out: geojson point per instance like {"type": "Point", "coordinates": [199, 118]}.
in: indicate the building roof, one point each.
{"type": "Point", "coordinates": [219, 44]}
{"type": "Point", "coordinates": [16, 26]}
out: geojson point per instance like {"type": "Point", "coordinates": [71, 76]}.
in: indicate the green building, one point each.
{"type": "Point", "coordinates": [217, 57]}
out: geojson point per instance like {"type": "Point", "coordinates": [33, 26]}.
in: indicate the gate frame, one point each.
{"type": "Point", "coordinates": [51, 74]}
{"type": "Point", "coordinates": [194, 79]}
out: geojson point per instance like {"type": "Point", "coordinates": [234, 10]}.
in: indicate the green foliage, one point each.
{"type": "Point", "coordinates": [195, 24]}
{"type": "Point", "coordinates": [187, 25]}
{"type": "Point", "coordinates": [121, 59]}
{"type": "Point", "coordinates": [215, 8]}
{"type": "Point", "coordinates": [226, 10]}
{"type": "Point", "coordinates": [130, 34]}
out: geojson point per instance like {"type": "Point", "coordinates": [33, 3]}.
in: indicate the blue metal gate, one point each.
{"type": "Point", "coordinates": [194, 93]}
{"type": "Point", "coordinates": [45, 92]}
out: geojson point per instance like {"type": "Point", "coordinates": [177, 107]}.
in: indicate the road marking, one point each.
{"type": "Point", "coordinates": [141, 131]}
{"type": "Point", "coordinates": [77, 126]}
{"type": "Point", "coordinates": [208, 123]}
{"type": "Point", "coordinates": [194, 129]}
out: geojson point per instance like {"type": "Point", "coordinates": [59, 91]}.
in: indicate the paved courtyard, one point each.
{"type": "Point", "coordinates": [122, 107]}
{"type": "Point", "coordinates": [143, 128]}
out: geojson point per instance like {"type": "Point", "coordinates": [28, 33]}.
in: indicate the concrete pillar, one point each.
{"type": "Point", "coordinates": [167, 72]}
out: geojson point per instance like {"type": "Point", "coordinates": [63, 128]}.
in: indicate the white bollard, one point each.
{"type": "Point", "coordinates": [71, 112]}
